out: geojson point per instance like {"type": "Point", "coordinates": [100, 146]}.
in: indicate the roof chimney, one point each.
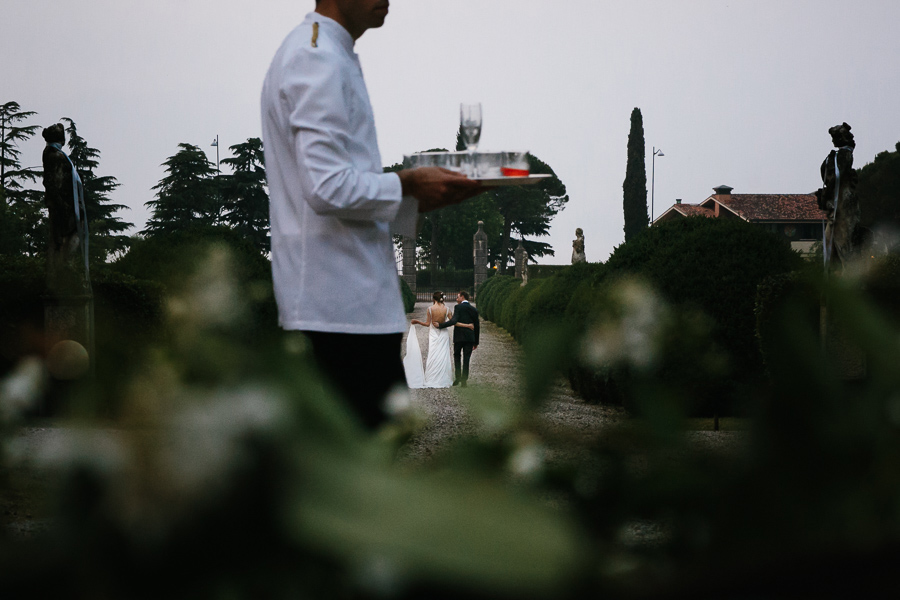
{"type": "Point", "coordinates": [677, 200]}
{"type": "Point", "coordinates": [723, 190]}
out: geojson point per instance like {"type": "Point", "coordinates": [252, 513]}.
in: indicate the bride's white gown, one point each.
{"type": "Point", "coordinates": [438, 371]}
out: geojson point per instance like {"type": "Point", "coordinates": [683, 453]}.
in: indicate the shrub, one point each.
{"type": "Point", "coordinates": [510, 306]}
{"type": "Point", "coordinates": [409, 298]}
{"type": "Point", "coordinates": [502, 286]}
{"type": "Point", "coordinates": [546, 304]}
{"type": "Point", "coordinates": [172, 260]}
{"type": "Point", "coordinates": [713, 265]}
{"type": "Point", "coordinates": [22, 282]}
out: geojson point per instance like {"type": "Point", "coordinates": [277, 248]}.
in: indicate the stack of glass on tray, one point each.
{"type": "Point", "coordinates": [482, 165]}
{"type": "Point", "coordinates": [479, 165]}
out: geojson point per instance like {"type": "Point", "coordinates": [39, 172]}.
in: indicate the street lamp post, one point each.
{"type": "Point", "coordinates": [653, 180]}
{"type": "Point", "coordinates": [218, 182]}
{"type": "Point", "coordinates": [216, 144]}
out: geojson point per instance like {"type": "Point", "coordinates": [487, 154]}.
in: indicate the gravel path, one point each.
{"type": "Point", "coordinates": [494, 376]}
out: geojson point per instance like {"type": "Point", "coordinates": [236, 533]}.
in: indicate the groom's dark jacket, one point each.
{"type": "Point", "coordinates": [464, 313]}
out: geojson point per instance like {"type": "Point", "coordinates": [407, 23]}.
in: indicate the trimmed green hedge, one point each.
{"type": "Point", "coordinates": [706, 272]}
{"type": "Point", "coordinates": [409, 299]}
{"type": "Point", "coordinates": [22, 282]}
{"type": "Point", "coordinates": [544, 271]}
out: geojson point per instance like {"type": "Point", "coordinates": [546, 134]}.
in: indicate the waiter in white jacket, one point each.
{"type": "Point", "coordinates": [333, 210]}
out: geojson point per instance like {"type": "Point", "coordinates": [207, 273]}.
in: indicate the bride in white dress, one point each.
{"type": "Point", "coordinates": [438, 371]}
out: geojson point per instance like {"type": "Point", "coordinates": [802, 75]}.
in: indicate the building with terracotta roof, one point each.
{"type": "Point", "coordinates": [796, 217]}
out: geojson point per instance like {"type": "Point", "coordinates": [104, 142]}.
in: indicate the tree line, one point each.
{"type": "Point", "coordinates": [194, 194]}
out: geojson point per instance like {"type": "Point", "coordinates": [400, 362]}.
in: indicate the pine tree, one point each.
{"type": "Point", "coordinates": [12, 175]}
{"type": "Point", "coordinates": [187, 196]}
{"type": "Point", "coordinates": [244, 196]}
{"type": "Point", "coordinates": [24, 228]}
{"type": "Point", "coordinates": [104, 227]}
{"type": "Point", "coordinates": [528, 210]}
{"type": "Point", "coordinates": [635, 185]}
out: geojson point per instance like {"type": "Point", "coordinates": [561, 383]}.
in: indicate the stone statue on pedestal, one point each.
{"type": "Point", "coordinates": [480, 255]}
{"type": "Point", "coordinates": [578, 247]}
{"type": "Point", "coordinates": [65, 204]}
{"type": "Point", "coordinates": [68, 301]}
{"type": "Point", "coordinates": [522, 263]}
{"type": "Point", "coordinates": [838, 197]}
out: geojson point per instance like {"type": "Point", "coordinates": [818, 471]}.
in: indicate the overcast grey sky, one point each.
{"type": "Point", "coordinates": [734, 92]}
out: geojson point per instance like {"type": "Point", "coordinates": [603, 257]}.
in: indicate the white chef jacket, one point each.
{"type": "Point", "coordinates": [332, 208]}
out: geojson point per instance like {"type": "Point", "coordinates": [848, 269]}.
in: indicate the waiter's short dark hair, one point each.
{"type": "Point", "coordinates": [464, 294]}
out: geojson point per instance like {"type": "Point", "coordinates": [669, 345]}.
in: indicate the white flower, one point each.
{"type": "Point", "coordinates": [22, 388]}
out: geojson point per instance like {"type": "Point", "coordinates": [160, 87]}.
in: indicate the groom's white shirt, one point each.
{"type": "Point", "coordinates": [332, 208]}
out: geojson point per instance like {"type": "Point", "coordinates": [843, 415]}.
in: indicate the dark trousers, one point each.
{"type": "Point", "coordinates": [462, 350]}
{"type": "Point", "coordinates": [362, 367]}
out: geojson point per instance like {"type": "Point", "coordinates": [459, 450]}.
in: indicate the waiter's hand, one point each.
{"type": "Point", "coordinates": [436, 188]}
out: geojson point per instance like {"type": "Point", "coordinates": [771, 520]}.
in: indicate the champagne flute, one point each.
{"type": "Point", "coordinates": [470, 125]}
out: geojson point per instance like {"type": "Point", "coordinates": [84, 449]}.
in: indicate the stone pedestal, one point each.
{"type": "Point", "coordinates": [409, 262]}
{"type": "Point", "coordinates": [480, 256]}
{"type": "Point", "coordinates": [522, 263]}
{"type": "Point", "coordinates": [71, 317]}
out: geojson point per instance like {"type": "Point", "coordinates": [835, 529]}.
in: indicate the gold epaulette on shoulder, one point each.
{"type": "Point", "coordinates": [315, 37]}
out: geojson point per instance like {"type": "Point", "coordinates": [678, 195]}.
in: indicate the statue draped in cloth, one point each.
{"type": "Point", "coordinates": [68, 226]}
{"type": "Point", "coordinates": [578, 247]}
{"type": "Point", "coordinates": [838, 197]}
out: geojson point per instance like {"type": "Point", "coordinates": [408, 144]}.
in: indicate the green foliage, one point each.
{"type": "Point", "coordinates": [252, 473]}
{"type": "Point", "coordinates": [493, 294]}
{"type": "Point", "coordinates": [448, 280]}
{"type": "Point", "coordinates": [171, 260]}
{"type": "Point", "coordinates": [446, 235]}
{"type": "Point", "coordinates": [105, 228]}
{"type": "Point", "coordinates": [235, 460]}
{"type": "Point", "coordinates": [128, 317]}
{"type": "Point", "coordinates": [508, 310]}
{"type": "Point", "coordinates": [544, 271]}
{"type": "Point", "coordinates": [877, 189]}
{"type": "Point", "coordinates": [23, 223]}
{"type": "Point", "coordinates": [527, 210]}
{"type": "Point", "coordinates": [409, 298]}
{"type": "Point", "coordinates": [794, 295]}
{"type": "Point", "coordinates": [713, 265]}
{"type": "Point", "coordinates": [21, 308]}
{"type": "Point", "coordinates": [547, 303]}
{"type": "Point", "coordinates": [13, 176]}
{"type": "Point", "coordinates": [635, 184]}
{"type": "Point", "coordinates": [797, 297]}
{"type": "Point", "coordinates": [693, 299]}
{"type": "Point", "coordinates": [187, 196]}
{"type": "Point", "coordinates": [244, 195]}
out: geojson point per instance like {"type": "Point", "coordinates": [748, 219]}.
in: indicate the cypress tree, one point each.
{"type": "Point", "coordinates": [635, 185]}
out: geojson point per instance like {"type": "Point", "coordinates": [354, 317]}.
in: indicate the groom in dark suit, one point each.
{"type": "Point", "coordinates": [464, 339]}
